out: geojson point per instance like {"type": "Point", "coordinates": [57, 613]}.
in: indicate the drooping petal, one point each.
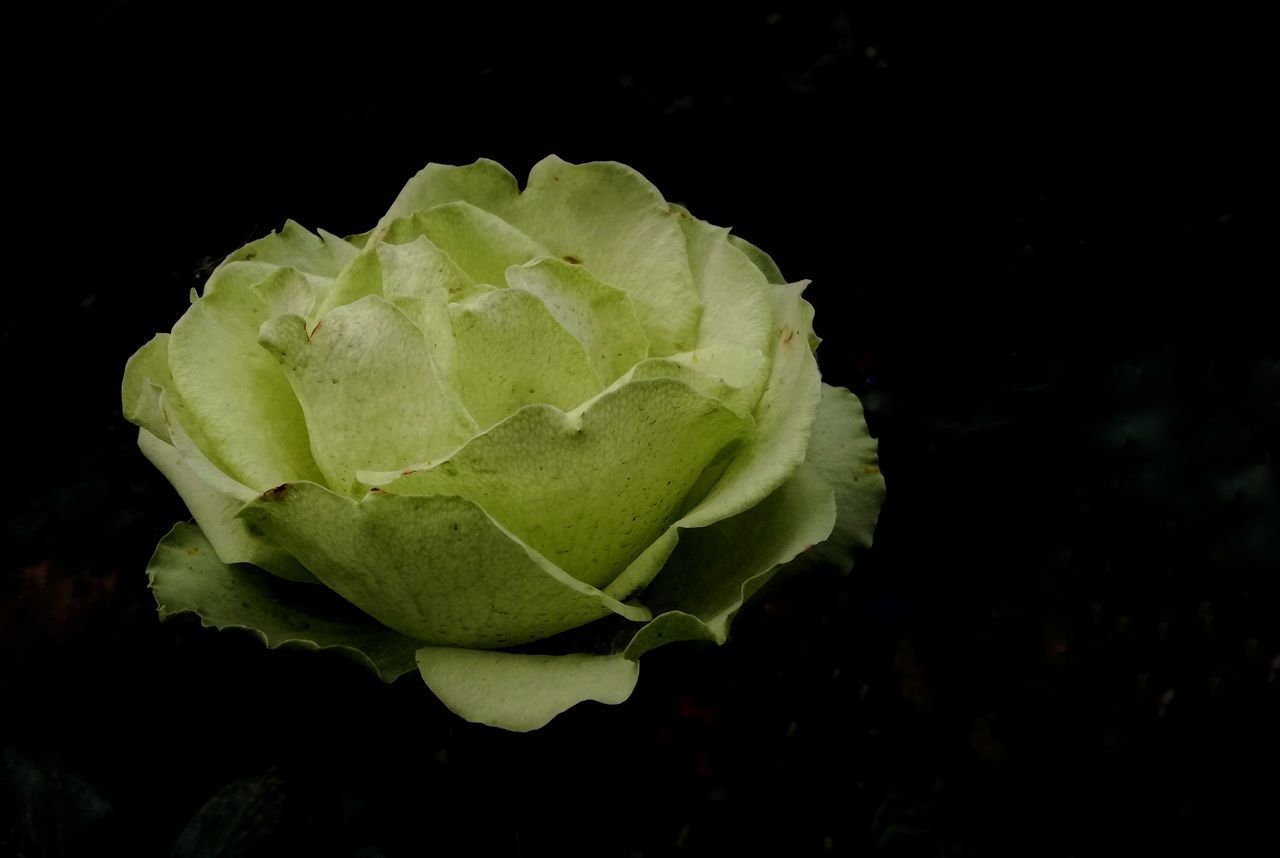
{"type": "Point", "coordinates": [523, 692]}
{"type": "Point", "coordinates": [599, 316]}
{"type": "Point", "coordinates": [369, 388]}
{"type": "Point", "coordinates": [610, 219]}
{"type": "Point", "coordinates": [590, 489]}
{"type": "Point", "coordinates": [187, 576]}
{"type": "Point", "coordinates": [435, 568]}
{"type": "Point", "coordinates": [511, 352]}
{"type": "Point", "coordinates": [714, 569]}
{"type": "Point", "coordinates": [844, 452]}
{"type": "Point", "coordinates": [235, 392]}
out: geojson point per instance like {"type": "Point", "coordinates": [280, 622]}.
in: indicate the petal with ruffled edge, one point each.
{"type": "Point", "coordinates": [592, 488]}
{"type": "Point", "coordinates": [522, 692]}
{"type": "Point", "coordinates": [434, 568]}
{"type": "Point", "coordinates": [187, 576]}
{"type": "Point", "coordinates": [369, 389]}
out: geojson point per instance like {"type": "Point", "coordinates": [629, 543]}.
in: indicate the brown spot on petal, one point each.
{"type": "Point", "coordinates": [276, 493]}
{"type": "Point", "coordinates": [788, 334]}
{"type": "Point", "coordinates": [572, 260]}
{"type": "Point", "coordinates": [870, 469]}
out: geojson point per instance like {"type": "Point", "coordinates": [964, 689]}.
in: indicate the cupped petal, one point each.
{"type": "Point", "coordinates": [715, 569]}
{"type": "Point", "coordinates": [235, 392]}
{"type": "Point", "coordinates": [511, 352]}
{"type": "Point", "coordinates": [727, 372]}
{"type": "Point", "coordinates": [369, 388]}
{"type": "Point", "coordinates": [145, 374]}
{"type": "Point", "coordinates": [784, 418]}
{"type": "Point", "coordinates": [599, 316]}
{"type": "Point", "coordinates": [590, 489]}
{"type": "Point", "coordinates": [523, 692]}
{"type": "Point", "coordinates": [187, 576]}
{"type": "Point", "coordinates": [485, 184]}
{"type": "Point", "coordinates": [480, 243]}
{"type": "Point", "coordinates": [435, 568]}
{"type": "Point", "coordinates": [610, 219]}
{"type": "Point", "coordinates": [843, 451]}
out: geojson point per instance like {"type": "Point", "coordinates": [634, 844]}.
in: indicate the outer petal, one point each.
{"type": "Point", "coordinates": [844, 453]}
{"type": "Point", "coordinates": [369, 388]}
{"type": "Point", "coordinates": [715, 569]}
{"type": "Point", "coordinates": [593, 488]}
{"type": "Point", "coordinates": [236, 394]}
{"type": "Point", "coordinates": [760, 260]}
{"type": "Point", "coordinates": [522, 692]}
{"type": "Point", "coordinates": [294, 247]}
{"type": "Point", "coordinates": [511, 352]}
{"type": "Point", "coordinates": [435, 568]}
{"type": "Point", "coordinates": [186, 575]}
{"type": "Point", "coordinates": [608, 217]}
{"type": "Point", "coordinates": [146, 370]}
{"type": "Point", "coordinates": [599, 316]}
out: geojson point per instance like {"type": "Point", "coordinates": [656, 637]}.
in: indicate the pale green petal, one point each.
{"type": "Point", "coordinates": [784, 418]}
{"type": "Point", "coordinates": [512, 353]}
{"type": "Point", "coordinates": [600, 317]}
{"type": "Point", "coordinates": [485, 184]}
{"type": "Point", "coordinates": [844, 453]}
{"type": "Point", "coordinates": [287, 290]}
{"type": "Point", "coordinates": [146, 370]}
{"type": "Point", "coordinates": [434, 568]}
{"type": "Point", "coordinates": [292, 247]}
{"type": "Point", "coordinates": [369, 388]}
{"type": "Point", "coordinates": [714, 569]}
{"type": "Point", "coordinates": [343, 251]}
{"type": "Point", "coordinates": [235, 393]}
{"type": "Point", "coordinates": [360, 279]}
{"type": "Point", "coordinates": [736, 304]}
{"type": "Point", "coordinates": [430, 313]}
{"type": "Point", "coordinates": [760, 260]}
{"type": "Point", "coordinates": [187, 576]}
{"type": "Point", "coordinates": [481, 244]}
{"type": "Point", "coordinates": [237, 276]}
{"type": "Point", "coordinates": [417, 268]}
{"type": "Point", "coordinates": [591, 489]}
{"type": "Point", "coordinates": [729, 373]}
{"type": "Point", "coordinates": [522, 692]}
{"type": "Point", "coordinates": [608, 217]}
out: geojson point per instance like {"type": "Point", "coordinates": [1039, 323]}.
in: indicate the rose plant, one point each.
{"type": "Point", "coordinates": [514, 439]}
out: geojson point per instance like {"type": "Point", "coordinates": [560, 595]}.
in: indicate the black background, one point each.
{"type": "Point", "coordinates": [1036, 249]}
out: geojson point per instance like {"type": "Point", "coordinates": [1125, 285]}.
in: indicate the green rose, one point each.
{"type": "Point", "coordinates": [497, 417]}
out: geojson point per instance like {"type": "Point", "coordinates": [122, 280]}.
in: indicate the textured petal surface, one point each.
{"type": "Point", "coordinates": [434, 568]}
{"type": "Point", "coordinates": [608, 217]}
{"type": "Point", "coordinates": [236, 393]}
{"type": "Point", "coordinates": [600, 317]}
{"type": "Point", "coordinates": [590, 489]}
{"type": "Point", "coordinates": [511, 352]}
{"type": "Point", "coordinates": [713, 570]}
{"type": "Point", "coordinates": [369, 389]}
{"type": "Point", "coordinates": [187, 576]}
{"type": "Point", "coordinates": [522, 692]}
{"type": "Point", "coordinates": [844, 452]}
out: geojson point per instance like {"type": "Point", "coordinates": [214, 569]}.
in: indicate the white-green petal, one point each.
{"type": "Point", "coordinates": [187, 576]}
{"type": "Point", "coordinates": [293, 247]}
{"type": "Point", "coordinates": [147, 370]}
{"type": "Point", "coordinates": [760, 260]}
{"type": "Point", "coordinates": [729, 373]}
{"type": "Point", "coordinates": [480, 243]}
{"type": "Point", "coordinates": [418, 268]}
{"type": "Point", "coordinates": [434, 568]}
{"type": "Point", "coordinates": [369, 389]}
{"type": "Point", "coordinates": [511, 353]}
{"type": "Point", "coordinates": [714, 570]}
{"type": "Point", "coordinates": [590, 489]}
{"type": "Point", "coordinates": [235, 393]}
{"type": "Point", "coordinates": [485, 184]}
{"type": "Point", "coordinates": [843, 451]}
{"type": "Point", "coordinates": [361, 278]}
{"type": "Point", "coordinates": [522, 692]}
{"type": "Point", "coordinates": [599, 316]}
{"type": "Point", "coordinates": [610, 219]}
{"type": "Point", "coordinates": [784, 418]}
